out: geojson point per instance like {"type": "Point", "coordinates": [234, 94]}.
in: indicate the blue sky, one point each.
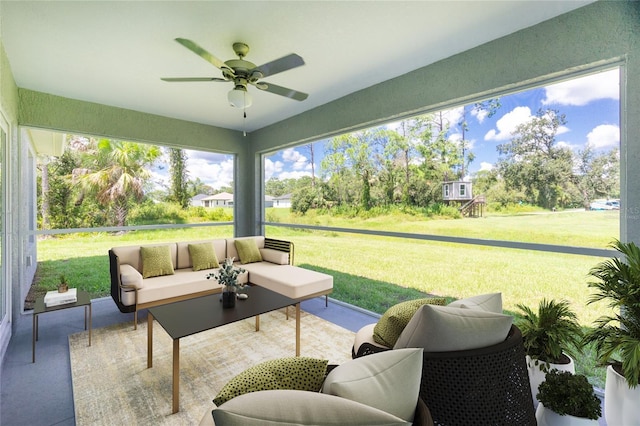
{"type": "Point", "coordinates": [591, 105]}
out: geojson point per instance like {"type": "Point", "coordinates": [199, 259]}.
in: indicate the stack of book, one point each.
{"type": "Point", "coordinates": [53, 298]}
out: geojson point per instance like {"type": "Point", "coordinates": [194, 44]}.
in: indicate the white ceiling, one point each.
{"type": "Point", "coordinates": [115, 52]}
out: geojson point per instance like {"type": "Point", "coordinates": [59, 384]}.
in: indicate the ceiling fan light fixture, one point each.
{"type": "Point", "coordinates": [239, 97]}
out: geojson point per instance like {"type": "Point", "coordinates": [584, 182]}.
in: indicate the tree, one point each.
{"type": "Point", "coordinates": [179, 177]}
{"type": "Point", "coordinates": [533, 163]}
{"type": "Point", "coordinates": [597, 175]}
{"type": "Point", "coordinates": [117, 174]}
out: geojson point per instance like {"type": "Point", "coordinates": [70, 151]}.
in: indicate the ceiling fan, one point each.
{"type": "Point", "coordinates": [241, 73]}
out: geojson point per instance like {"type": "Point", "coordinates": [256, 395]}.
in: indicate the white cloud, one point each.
{"type": "Point", "coordinates": [507, 123]}
{"type": "Point", "coordinates": [299, 161]}
{"type": "Point", "coordinates": [581, 91]}
{"type": "Point", "coordinates": [486, 166]}
{"type": "Point", "coordinates": [479, 114]}
{"type": "Point", "coordinates": [604, 136]}
{"type": "Point", "coordinates": [272, 168]}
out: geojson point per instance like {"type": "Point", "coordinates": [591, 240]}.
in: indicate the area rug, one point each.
{"type": "Point", "coordinates": [112, 384]}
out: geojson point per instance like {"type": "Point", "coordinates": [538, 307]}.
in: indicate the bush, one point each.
{"type": "Point", "coordinates": [156, 213]}
{"type": "Point", "coordinates": [569, 394]}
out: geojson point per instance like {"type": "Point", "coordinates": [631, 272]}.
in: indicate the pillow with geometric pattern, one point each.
{"type": "Point", "coordinates": [298, 373]}
{"type": "Point", "coordinates": [392, 322]}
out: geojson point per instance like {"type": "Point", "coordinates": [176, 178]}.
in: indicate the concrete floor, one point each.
{"type": "Point", "coordinates": [42, 394]}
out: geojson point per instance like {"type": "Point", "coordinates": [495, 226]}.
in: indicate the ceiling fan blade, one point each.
{"type": "Point", "coordinates": [279, 65]}
{"type": "Point", "coordinates": [195, 48]}
{"type": "Point", "coordinates": [282, 91]}
{"type": "Point", "coordinates": [172, 80]}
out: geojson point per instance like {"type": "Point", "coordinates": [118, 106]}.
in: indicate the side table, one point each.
{"type": "Point", "coordinates": [40, 308]}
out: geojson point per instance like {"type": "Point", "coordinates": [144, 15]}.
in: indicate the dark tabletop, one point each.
{"type": "Point", "coordinates": [181, 319]}
{"type": "Point", "coordinates": [82, 300]}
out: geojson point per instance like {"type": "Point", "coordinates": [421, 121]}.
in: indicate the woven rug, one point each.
{"type": "Point", "coordinates": [112, 384]}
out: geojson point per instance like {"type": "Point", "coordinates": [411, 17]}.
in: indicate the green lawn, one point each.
{"type": "Point", "coordinates": [376, 272]}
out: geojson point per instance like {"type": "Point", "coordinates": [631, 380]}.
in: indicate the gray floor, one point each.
{"type": "Point", "coordinates": [42, 394]}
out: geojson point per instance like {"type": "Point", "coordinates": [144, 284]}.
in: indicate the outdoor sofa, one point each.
{"type": "Point", "coordinates": [143, 276]}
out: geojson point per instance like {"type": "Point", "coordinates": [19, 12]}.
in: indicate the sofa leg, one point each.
{"type": "Point", "coordinates": [135, 319]}
{"type": "Point", "coordinates": [326, 300]}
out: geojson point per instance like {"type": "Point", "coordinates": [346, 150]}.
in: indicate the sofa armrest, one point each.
{"type": "Point", "coordinates": [280, 245]}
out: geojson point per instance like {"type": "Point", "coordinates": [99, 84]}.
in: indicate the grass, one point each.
{"type": "Point", "coordinates": [377, 272]}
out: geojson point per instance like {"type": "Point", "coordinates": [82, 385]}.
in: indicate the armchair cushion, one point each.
{"type": "Point", "coordinates": [443, 329]}
{"type": "Point", "coordinates": [293, 407]}
{"type": "Point", "coordinates": [491, 302]}
{"type": "Point", "coordinates": [298, 373]}
{"type": "Point", "coordinates": [395, 319]}
{"type": "Point", "coordinates": [387, 380]}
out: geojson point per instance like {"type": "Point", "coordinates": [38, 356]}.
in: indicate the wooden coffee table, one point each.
{"type": "Point", "coordinates": [182, 319]}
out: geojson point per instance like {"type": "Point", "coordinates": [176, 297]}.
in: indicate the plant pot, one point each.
{"type": "Point", "coordinates": [229, 297]}
{"type": "Point", "coordinates": [621, 403]}
{"type": "Point", "coordinates": [537, 376]}
{"type": "Point", "coordinates": [547, 417]}
{"type": "Point", "coordinates": [63, 288]}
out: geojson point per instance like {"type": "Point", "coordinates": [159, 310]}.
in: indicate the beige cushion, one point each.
{"type": "Point", "coordinates": [274, 256]}
{"type": "Point", "coordinates": [129, 276]}
{"type": "Point", "coordinates": [286, 373]}
{"type": "Point", "coordinates": [203, 256]}
{"type": "Point", "coordinates": [365, 335]}
{"type": "Point", "coordinates": [248, 251]}
{"type": "Point", "coordinates": [156, 261]}
{"type": "Point", "coordinates": [294, 407]}
{"type": "Point", "coordinates": [444, 329]}
{"type": "Point", "coordinates": [491, 302]}
{"type": "Point", "coordinates": [387, 380]}
{"type": "Point", "coordinates": [291, 281]}
{"type": "Point", "coordinates": [395, 319]}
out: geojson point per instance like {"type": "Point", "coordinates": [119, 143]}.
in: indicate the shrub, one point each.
{"type": "Point", "coordinates": [569, 394]}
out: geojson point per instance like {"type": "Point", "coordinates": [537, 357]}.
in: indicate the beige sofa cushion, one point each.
{"type": "Point", "coordinates": [387, 380]}
{"type": "Point", "coordinates": [444, 329]}
{"type": "Point", "coordinates": [294, 407]}
{"type": "Point", "coordinates": [129, 276]}
{"type": "Point", "coordinates": [365, 335]}
{"type": "Point", "coordinates": [185, 281]}
{"type": "Point", "coordinates": [274, 256]}
{"type": "Point", "coordinates": [292, 281]}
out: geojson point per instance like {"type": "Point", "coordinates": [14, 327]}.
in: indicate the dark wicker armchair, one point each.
{"type": "Point", "coordinates": [486, 386]}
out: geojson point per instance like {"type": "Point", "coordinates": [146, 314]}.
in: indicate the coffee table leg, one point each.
{"type": "Point", "coordinates": [176, 375]}
{"type": "Point", "coordinates": [257, 322]}
{"type": "Point", "coordinates": [298, 329]}
{"type": "Point", "coordinates": [149, 340]}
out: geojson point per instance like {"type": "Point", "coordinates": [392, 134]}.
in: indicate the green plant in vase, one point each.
{"type": "Point", "coordinates": [227, 276]}
{"type": "Point", "coordinates": [567, 395]}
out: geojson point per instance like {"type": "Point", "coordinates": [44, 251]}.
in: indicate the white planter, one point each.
{"type": "Point", "coordinates": [547, 417]}
{"type": "Point", "coordinates": [621, 403]}
{"type": "Point", "coordinates": [536, 376]}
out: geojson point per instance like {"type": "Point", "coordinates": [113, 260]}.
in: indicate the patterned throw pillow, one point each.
{"type": "Point", "coordinates": [297, 373]}
{"type": "Point", "coordinates": [156, 261]}
{"type": "Point", "coordinates": [392, 322]}
{"type": "Point", "coordinates": [203, 256]}
{"type": "Point", "coordinates": [248, 251]}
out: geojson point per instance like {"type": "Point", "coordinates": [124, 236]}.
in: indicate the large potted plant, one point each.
{"type": "Point", "coordinates": [567, 400]}
{"type": "Point", "coordinates": [616, 337]}
{"type": "Point", "coordinates": [551, 337]}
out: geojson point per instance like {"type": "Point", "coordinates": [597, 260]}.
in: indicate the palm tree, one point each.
{"type": "Point", "coordinates": [117, 174]}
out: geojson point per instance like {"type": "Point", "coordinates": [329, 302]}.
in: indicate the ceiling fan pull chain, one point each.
{"type": "Point", "coordinates": [244, 124]}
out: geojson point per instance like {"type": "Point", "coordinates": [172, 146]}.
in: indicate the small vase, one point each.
{"type": "Point", "coordinates": [229, 296]}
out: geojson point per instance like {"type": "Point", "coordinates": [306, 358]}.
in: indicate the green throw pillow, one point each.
{"type": "Point", "coordinates": [297, 373]}
{"type": "Point", "coordinates": [248, 251]}
{"type": "Point", "coordinates": [156, 261]}
{"type": "Point", "coordinates": [203, 256]}
{"type": "Point", "coordinates": [392, 322]}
